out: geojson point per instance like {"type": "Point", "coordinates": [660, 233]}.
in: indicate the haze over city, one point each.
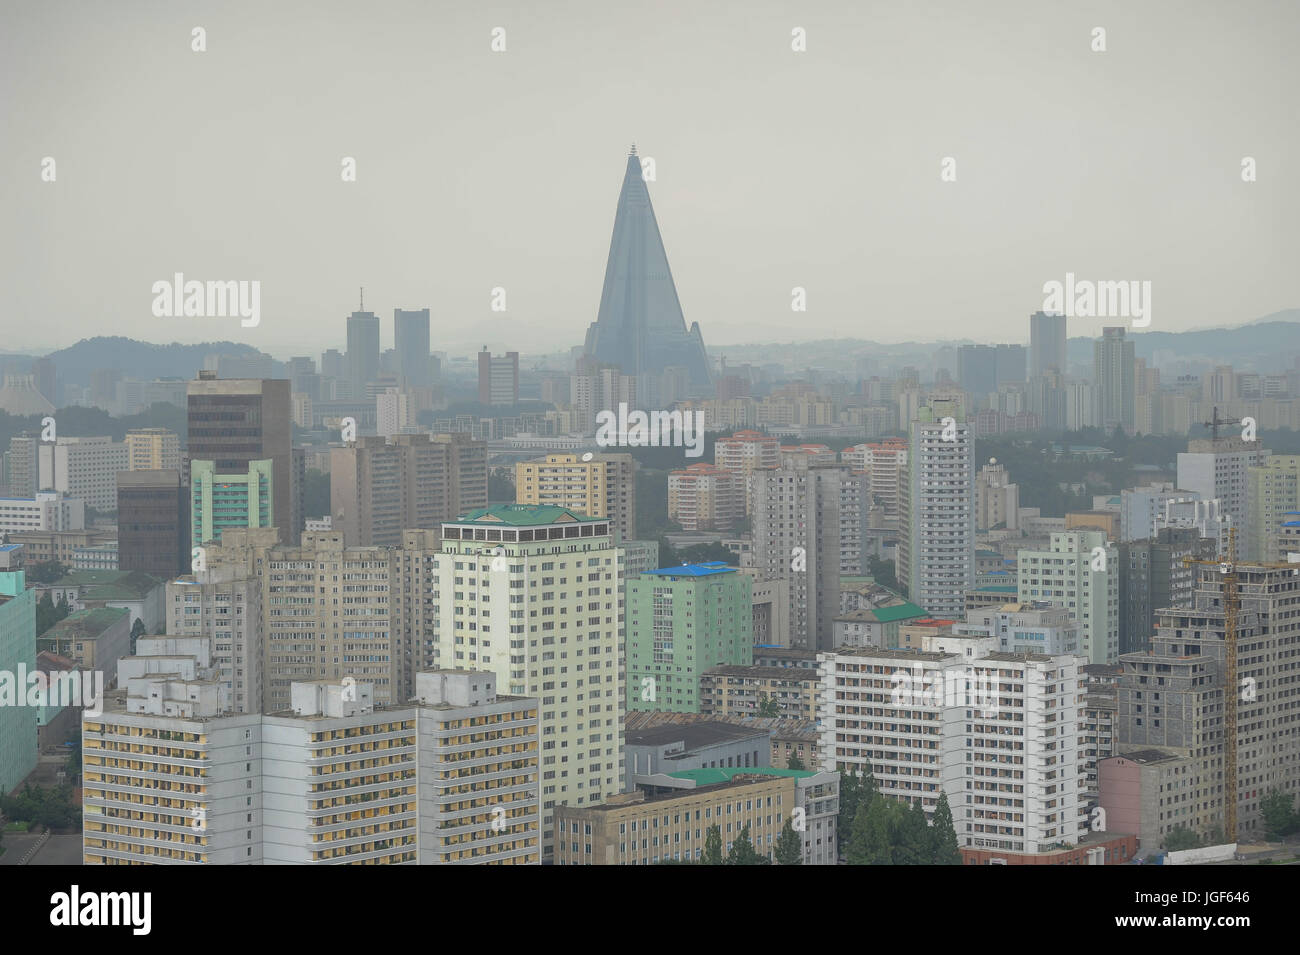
{"type": "Point", "coordinates": [775, 169]}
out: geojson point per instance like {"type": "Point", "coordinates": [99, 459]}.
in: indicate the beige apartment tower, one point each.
{"type": "Point", "coordinates": [604, 486]}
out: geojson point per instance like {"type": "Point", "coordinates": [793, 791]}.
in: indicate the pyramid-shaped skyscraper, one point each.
{"type": "Point", "coordinates": [640, 326]}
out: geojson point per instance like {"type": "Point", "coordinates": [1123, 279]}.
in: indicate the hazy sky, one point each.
{"type": "Point", "coordinates": [774, 168]}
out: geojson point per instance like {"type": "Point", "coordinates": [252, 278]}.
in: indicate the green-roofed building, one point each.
{"type": "Point", "coordinates": [143, 594]}
{"type": "Point", "coordinates": [681, 621]}
{"type": "Point", "coordinates": [93, 639]}
{"type": "Point", "coordinates": [532, 594]}
{"type": "Point", "coordinates": [875, 625]}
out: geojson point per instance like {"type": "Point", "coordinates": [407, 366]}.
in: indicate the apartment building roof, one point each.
{"type": "Point", "coordinates": [706, 569]}
{"type": "Point", "coordinates": [690, 735]}
{"type": "Point", "coordinates": [1000, 656]}
{"type": "Point", "coordinates": [523, 515]}
{"type": "Point", "coordinates": [915, 656]}
{"type": "Point", "coordinates": [1149, 757]}
{"type": "Point", "coordinates": [710, 776]}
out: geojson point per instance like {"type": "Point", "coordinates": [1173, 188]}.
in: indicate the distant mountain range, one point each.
{"type": "Point", "coordinates": [135, 359]}
{"type": "Point", "coordinates": [1269, 344]}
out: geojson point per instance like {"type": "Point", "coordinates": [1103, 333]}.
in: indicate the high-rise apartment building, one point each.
{"type": "Point", "coordinates": [1046, 344]}
{"type": "Point", "coordinates": [153, 449]}
{"type": "Point", "coordinates": [220, 501]}
{"type": "Point", "coordinates": [604, 486]}
{"type": "Point", "coordinates": [1079, 571]}
{"type": "Point", "coordinates": [997, 498]}
{"type": "Point", "coordinates": [532, 593]}
{"type": "Point", "coordinates": [379, 488]}
{"type": "Point", "coordinates": [796, 516]}
{"type": "Point", "coordinates": [327, 614]}
{"type": "Point", "coordinates": [1113, 375]}
{"type": "Point", "coordinates": [996, 734]}
{"type": "Point", "coordinates": [362, 361]}
{"type": "Point", "coordinates": [1153, 575]}
{"type": "Point", "coordinates": [1219, 468]}
{"type": "Point", "coordinates": [746, 450]}
{"type": "Point", "coordinates": [498, 378]}
{"type": "Point", "coordinates": [1272, 493]}
{"type": "Point", "coordinates": [680, 622]}
{"type": "Point", "coordinates": [936, 545]}
{"type": "Point", "coordinates": [153, 532]}
{"type": "Point", "coordinates": [235, 421]}
{"type": "Point", "coordinates": [23, 464]}
{"type": "Point", "coordinates": [706, 497]}
{"type": "Point", "coordinates": [333, 779]}
{"type": "Point", "coordinates": [411, 342]}
{"type": "Point", "coordinates": [885, 463]}
{"type": "Point", "coordinates": [222, 600]}
{"type": "Point", "coordinates": [85, 468]}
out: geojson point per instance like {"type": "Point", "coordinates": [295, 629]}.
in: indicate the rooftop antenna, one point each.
{"type": "Point", "coordinates": [363, 298]}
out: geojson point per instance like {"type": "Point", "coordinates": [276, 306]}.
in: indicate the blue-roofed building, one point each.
{"type": "Point", "coordinates": [680, 622]}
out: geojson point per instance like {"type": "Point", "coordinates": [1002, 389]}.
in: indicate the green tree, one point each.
{"type": "Point", "coordinates": [789, 846]}
{"type": "Point", "coordinates": [883, 572]}
{"type": "Point", "coordinates": [1280, 819]}
{"type": "Point", "coordinates": [137, 631]}
{"type": "Point", "coordinates": [46, 572]}
{"type": "Point", "coordinates": [912, 844]}
{"type": "Point", "coordinates": [501, 487]}
{"type": "Point", "coordinates": [743, 851]}
{"type": "Point", "coordinates": [794, 762]}
{"type": "Point", "coordinates": [48, 613]}
{"type": "Point", "coordinates": [850, 789]}
{"type": "Point", "coordinates": [767, 706]}
{"type": "Point", "coordinates": [870, 841]}
{"type": "Point", "coordinates": [73, 764]}
{"type": "Point", "coordinates": [316, 494]}
{"type": "Point", "coordinates": [943, 835]}
{"type": "Point", "coordinates": [712, 847]}
{"type": "Point", "coordinates": [1180, 838]}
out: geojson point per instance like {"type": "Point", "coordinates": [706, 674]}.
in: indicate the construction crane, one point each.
{"type": "Point", "coordinates": [1215, 421]}
{"type": "Point", "coordinates": [1231, 691]}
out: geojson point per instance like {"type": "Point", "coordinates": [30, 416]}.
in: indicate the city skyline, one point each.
{"type": "Point", "coordinates": [1145, 192]}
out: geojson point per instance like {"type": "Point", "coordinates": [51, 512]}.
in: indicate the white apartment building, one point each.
{"type": "Point", "coordinates": [171, 777]}
{"type": "Point", "coordinates": [1022, 760]}
{"type": "Point", "coordinates": [997, 733]}
{"type": "Point", "coordinates": [85, 468]}
{"type": "Point", "coordinates": [1038, 627]}
{"type": "Point", "coordinates": [1141, 509]}
{"type": "Point", "coordinates": [900, 713]}
{"type": "Point", "coordinates": [532, 593]}
{"type": "Point", "coordinates": [1079, 572]}
{"type": "Point", "coordinates": [1219, 469]}
{"type": "Point", "coordinates": [46, 511]}
{"type": "Point", "coordinates": [937, 525]}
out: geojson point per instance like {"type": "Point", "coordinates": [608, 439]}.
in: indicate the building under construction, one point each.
{"type": "Point", "coordinates": [1172, 698]}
